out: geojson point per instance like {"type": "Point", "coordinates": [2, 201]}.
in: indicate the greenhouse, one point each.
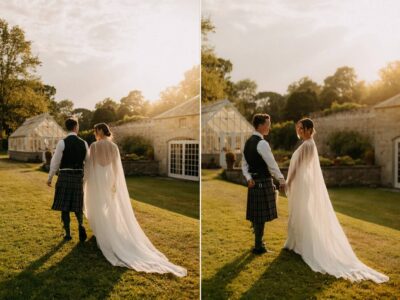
{"type": "Point", "coordinates": [224, 129]}
{"type": "Point", "coordinates": [33, 137]}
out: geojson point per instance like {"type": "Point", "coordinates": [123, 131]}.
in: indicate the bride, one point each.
{"type": "Point", "coordinates": [314, 231]}
{"type": "Point", "coordinates": [110, 214]}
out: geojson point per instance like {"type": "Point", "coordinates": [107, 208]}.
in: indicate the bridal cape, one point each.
{"type": "Point", "coordinates": [107, 207]}
{"type": "Point", "coordinates": [314, 231]}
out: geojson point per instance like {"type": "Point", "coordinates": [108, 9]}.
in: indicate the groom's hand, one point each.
{"type": "Point", "coordinates": [251, 183]}
{"type": "Point", "coordinates": [282, 185]}
{"type": "Point", "coordinates": [49, 183]}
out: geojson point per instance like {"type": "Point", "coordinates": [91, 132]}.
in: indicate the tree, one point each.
{"type": "Point", "coordinates": [304, 84]}
{"type": "Point", "coordinates": [386, 87]}
{"type": "Point", "coordinates": [85, 118]}
{"type": "Point", "coordinates": [243, 94]}
{"type": "Point", "coordinates": [215, 80]}
{"type": "Point", "coordinates": [62, 110]}
{"type": "Point", "coordinates": [271, 103]}
{"type": "Point", "coordinates": [172, 96]}
{"type": "Point", "coordinates": [103, 115]}
{"type": "Point", "coordinates": [105, 111]}
{"type": "Point", "coordinates": [107, 103]}
{"type": "Point", "coordinates": [300, 104]}
{"type": "Point", "coordinates": [190, 86]}
{"type": "Point", "coordinates": [17, 65]}
{"type": "Point", "coordinates": [341, 87]}
{"type": "Point", "coordinates": [133, 104]}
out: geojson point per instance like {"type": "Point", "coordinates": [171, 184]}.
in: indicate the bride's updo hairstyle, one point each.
{"type": "Point", "coordinates": [104, 128]}
{"type": "Point", "coordinates": [308, 124]}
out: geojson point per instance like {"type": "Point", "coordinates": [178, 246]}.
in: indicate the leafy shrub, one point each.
{"type": "Point", "coordinates": [344, 161]}
{"type": "Point", "coordinates": [137, 145]}
{"type": "Point", "coordinates": [132, 156]}
{"type": "Point", "coordinates": [324, 161]}
{"type": "Point", "coordinates": [283, 136]}
{"type": "Point", "coordinates": [282, 155]}
{"type": "Point", "coordinates": [349, 143]}
{"type": "Point", "coordinates": [369, 157]}
{"type": "Point", "coordinates": [339, 107]}
{"type": "Point", "coordinates": [284, 164]}
{"type": "Point", "coordinates": [88, 136]}
{"type": "Point", "coordinates": [130, 119]}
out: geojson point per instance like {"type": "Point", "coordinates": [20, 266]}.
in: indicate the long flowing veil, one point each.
{"type": "Point", "coordinates": [108, 209]}
{"type": "Point", "coordinates": [314, 231]}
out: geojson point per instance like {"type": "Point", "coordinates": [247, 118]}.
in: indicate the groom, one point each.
{"type": "Point", "coordinates": [69, 159]}
{"type": "Point", "coordinates": [258, 166]}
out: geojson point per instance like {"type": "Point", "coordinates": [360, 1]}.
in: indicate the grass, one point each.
{"type": "Point", "coordinates": [36, 264]}
{"type": "Point", "coordinates": [229, 270]}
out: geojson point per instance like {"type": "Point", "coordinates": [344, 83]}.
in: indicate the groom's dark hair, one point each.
{"type": "Point", "coordinates": [70, 124]}
{"type": "Point", "coordinates": [259, 119]}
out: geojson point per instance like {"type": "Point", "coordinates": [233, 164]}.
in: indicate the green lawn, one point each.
{"type": "Point", "coordinates": [369, 217]}
{"type": "Point", "coordinates": [36, 264]}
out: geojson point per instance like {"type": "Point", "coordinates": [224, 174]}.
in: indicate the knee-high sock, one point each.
{"type": "Point", "coordinates": [66, 220]}
{"type": "Point", "coordinates": [258, 234]}
{"type": "Point", "coordinates": [79, 217]}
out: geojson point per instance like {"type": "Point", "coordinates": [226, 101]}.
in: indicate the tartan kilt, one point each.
{"type": "Point", "coordinates": [261, 201]}
{"type": "Point", "coordinates": [69, 192]}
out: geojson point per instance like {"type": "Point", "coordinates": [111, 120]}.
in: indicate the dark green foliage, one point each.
{"type": "Point", "coordinates": [283, 136]}
{"type": "Point", "coordinates": [88, 136]}
{"type": "Point", "coordinates": [137, 145]}
{"type": "Point", "coordinates": [301, 104]}
{"type": "Point", "coordinates": [350, 143]}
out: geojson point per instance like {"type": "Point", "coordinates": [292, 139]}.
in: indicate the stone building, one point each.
{"type": "Point", "coordinates": [33, 137]}
{"type": "Point", "coordinates": [175, 137]}
{"type": "Point", "coordinates": [381, 124]}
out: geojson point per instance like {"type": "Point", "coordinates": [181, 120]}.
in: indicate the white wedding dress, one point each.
{"type": "Point", "coordinates": [314, 231]}
{"type": "Point", "coordinates": [107, 207]}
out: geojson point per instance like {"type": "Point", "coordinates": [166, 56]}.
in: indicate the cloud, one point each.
{"type": "Point", "coordinates": [278, 41]}
{"type": "Point", "coordinates": [144, 44]}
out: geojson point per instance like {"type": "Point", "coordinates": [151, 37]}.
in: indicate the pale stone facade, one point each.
{"type": "Point", "coordinates": [381, 124]}
{"type": "Point", "coordinates": [181, 123]}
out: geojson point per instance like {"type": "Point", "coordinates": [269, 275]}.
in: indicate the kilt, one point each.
{"type": "Point", "coordinates": [261, 202]}
{"type": "Point", "coordinates": [69, 192]}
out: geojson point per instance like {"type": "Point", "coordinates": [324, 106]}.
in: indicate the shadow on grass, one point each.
{"type": "Point", "coordinates": [371, 205]}
{"type": "Point", "coordinates": [288, 277]}
{"type": "Point", "coordinates": [179, 196]}
{"type": "Point", "coordinates": [7, 163]}
{"type": "Point", "coordinates": [82, 273]}
{"type": "Point", "coordinates": [216, 286]}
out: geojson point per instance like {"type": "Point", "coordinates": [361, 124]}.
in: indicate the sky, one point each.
{"type": "Point", "coordinates": [94, 49]}
{"type": "Point", "coordinates": [277, 42]}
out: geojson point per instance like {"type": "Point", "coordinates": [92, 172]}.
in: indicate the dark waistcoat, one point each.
{"type": "Point", "coordinates": [256, 163]}
{"type": "Point", "coordinates": [74, 153]}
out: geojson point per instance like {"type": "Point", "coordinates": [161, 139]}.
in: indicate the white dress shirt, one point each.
{"type": "Point", "coordinates": [56, 159]}
{"type": "Point", "coordinates": [265, 151]}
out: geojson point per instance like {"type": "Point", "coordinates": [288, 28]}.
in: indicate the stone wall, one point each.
{"type": "Point", "coordinates": [26, 156]}
{"type": "Point", "coordinates": [140, 167]}
{"type": "Point", "coordinates": [361, 120]}
{"type": "Point", "coordinates": [160, 132]}
{"type": "Point", "coordinates": [334, 176]}
{"type": "Point", "coordinates": [387, 129]}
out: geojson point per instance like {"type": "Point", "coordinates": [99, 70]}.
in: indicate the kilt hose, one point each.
{"type": "Point", "coordinates": [261, 201]}
{"type": "Point", "coordinates": [68, 195]}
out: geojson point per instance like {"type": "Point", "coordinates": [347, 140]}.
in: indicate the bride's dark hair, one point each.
{"type": "Point", "coordinates": [103, 127]}
{"type": "Point", "coordinates": [308, 124]}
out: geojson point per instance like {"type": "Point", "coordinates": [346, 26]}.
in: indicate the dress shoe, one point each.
{"type": "Point", "coordinates": [82, 234]}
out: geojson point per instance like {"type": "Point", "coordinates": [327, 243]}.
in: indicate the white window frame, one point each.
{"type": "Point", "coordinates": [396, 162]}
{"type": "Point", "coordinates": [182, 176]}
